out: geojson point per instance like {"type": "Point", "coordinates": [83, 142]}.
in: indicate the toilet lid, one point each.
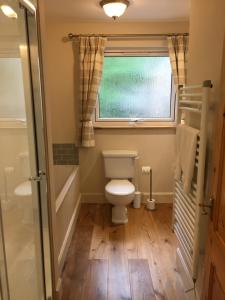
{"type": "Point", "coordinates": [120, 187]}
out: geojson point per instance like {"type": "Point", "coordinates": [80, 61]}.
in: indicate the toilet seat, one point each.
{"type": "Point", "coordinates": [120, 187]}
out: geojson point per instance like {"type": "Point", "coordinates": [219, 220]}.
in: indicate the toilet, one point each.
{"type": "Point", "coordinates": [119, 191]}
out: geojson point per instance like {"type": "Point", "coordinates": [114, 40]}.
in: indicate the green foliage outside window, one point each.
{"type": "Point", "coordinates": [135, 87]}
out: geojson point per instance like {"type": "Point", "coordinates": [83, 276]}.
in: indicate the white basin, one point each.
{"type": "Point", "coordinates": [23, 189]}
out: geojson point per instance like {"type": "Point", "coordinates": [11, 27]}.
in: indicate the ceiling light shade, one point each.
{"type": "Point", "coordinates": [8, 11]}
{"type": "Point", "coordinates": [114, 8]}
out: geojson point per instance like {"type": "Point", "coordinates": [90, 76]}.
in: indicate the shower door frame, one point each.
{"type": "Point", "coordinates": [4, 286]}
{"type": "Point", "coordinates": [33, 78]}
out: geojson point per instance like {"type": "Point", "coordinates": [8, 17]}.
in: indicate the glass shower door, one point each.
{"type": "Point", "coordinates": [24, 233]}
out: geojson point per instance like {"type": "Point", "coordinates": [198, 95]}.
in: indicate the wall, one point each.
{"type": "Point", "coordinates": [59, 58]}
{"type": "Point", "coordinates": [12, 99]}
{"type": "Point", "coordinates": [207, 25]}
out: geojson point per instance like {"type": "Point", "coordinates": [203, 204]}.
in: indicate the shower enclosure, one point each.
{"type": "Point", "coordinates": [25, 268]}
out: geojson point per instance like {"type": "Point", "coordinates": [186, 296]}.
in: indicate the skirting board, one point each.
{"type": "Point", "coordinates": [100, 197]}
{"type": "Point", "coordinates": [68, 235]}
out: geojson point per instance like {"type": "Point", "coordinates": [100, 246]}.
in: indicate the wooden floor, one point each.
{"type": "Point", "coordinates": [120, 262]}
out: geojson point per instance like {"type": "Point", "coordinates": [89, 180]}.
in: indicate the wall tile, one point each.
{"type": "Point", "coordinates": [65, 154]}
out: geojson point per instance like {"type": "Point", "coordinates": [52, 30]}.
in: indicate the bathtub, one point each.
{"type": "Point", "coordinates": [67, 203]}
{"type": "Point", "coordinates": [61, 175]}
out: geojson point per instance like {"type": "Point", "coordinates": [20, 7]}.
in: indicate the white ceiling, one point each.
{"type": "Point", "coordinates": [139, 10]}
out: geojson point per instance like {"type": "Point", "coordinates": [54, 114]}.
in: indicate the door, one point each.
{"type": "Point", "coordinates": [214, 281]}
{"type": "Point", "coordinates": [25, 268]}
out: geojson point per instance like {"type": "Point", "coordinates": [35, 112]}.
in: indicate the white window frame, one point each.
{"type": "Point", "coordinates": [137, 122]}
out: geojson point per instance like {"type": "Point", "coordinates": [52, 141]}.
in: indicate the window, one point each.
{"type": "Point", "coordinates": [135, 89]}
{"type": "Point", "coordinates": [11, 89]}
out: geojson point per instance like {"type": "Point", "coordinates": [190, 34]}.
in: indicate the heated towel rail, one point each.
{"type": "Point", "coordinates": [187, 207]}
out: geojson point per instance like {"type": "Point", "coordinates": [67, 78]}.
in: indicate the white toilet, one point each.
{"type": "Point", "coordinates": [119, 191]}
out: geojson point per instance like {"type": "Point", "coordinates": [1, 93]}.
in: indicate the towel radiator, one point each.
{"type": "Point", "coordinates": [187, 210]}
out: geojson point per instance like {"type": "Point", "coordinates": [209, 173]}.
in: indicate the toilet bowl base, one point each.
{"type": "Point", "coordinates": [119, 214]}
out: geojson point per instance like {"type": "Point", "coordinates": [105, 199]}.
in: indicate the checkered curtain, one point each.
{"type": "Point", "coordinates": [177, 47]}
{"type": "Point", "coordinates": [91, 62]}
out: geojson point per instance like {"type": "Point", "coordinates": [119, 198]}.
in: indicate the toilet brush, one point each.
{"type": "Point", "coordinates": [150, 201]}
{"type": "Point", "coordinates": [137, 194]}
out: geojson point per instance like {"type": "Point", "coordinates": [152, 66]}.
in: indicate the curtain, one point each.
{"type": "Point", "coordinates": [177, 47]}
{"type": "Point", "coordinates": [91, 63]}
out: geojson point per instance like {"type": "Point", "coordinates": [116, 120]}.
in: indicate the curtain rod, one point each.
{"type": "Point", "coordinates": [127, 35]}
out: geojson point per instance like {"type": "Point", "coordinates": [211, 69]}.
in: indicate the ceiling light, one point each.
{"type": "Point", "coordinates": [8, 11]}
{"type": "Point", "coordinates": [114, 8]}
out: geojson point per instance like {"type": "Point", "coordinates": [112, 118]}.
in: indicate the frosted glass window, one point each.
{"type": "Point", "coordinates": [11, 89]}
{"type": "Point", "coordinates": [135, 87]}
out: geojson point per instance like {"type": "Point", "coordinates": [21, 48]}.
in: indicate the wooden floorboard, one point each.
{"type": "Point", "coordinates": [118, 276]}
{"type": "Point", "coordinates": [121, 262]}
{"type": "Point", "coordinates": [150, 249]}
{"type": "Point", "coordinates": [96, 284]}
{"type": "Point", "coordinates": [77, 261]}
{"type": "Point", "coordinates": [167, 244]}
{"type": "Point", "coordinates": [132, 234]}
{"type": "Point", "coordinates": [77, 264]}
{"type": "Point", "coordinates": [140, 279]}
{"type": "Point", "coordinates": [100, 239]}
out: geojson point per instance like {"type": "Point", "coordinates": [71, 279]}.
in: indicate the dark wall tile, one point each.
{"type": "Point", "coordinates": [65, 154]}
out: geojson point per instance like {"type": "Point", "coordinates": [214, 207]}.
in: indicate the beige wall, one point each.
{"type": "Point", "coordinates": [60, 85]}
{"type": "Point", "coordinates": [207, 25]}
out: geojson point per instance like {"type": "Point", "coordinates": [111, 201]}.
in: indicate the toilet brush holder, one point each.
{"type": "Point", "coordinates": [151, 204]}
{"type": "Point", "coordinates": [137, 200]}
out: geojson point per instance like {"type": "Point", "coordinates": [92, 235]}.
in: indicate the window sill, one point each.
{"type": "Point", "coordinates": [125, 125]}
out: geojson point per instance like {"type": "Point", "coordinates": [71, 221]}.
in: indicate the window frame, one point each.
{"type": "Point", "coordinates": [138, 122]}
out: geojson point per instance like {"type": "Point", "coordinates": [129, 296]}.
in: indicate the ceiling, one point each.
{"type": "Point", "coordinates": [139, 10]}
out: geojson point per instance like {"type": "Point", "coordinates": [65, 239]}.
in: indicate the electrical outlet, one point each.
{"type": "Point", "coordinates": [145, 169]}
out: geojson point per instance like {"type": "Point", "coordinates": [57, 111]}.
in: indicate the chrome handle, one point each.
{"type": "Point", "coordinates": [37, 178]}
{"type": "Point", "coordinates": [209, 205]}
